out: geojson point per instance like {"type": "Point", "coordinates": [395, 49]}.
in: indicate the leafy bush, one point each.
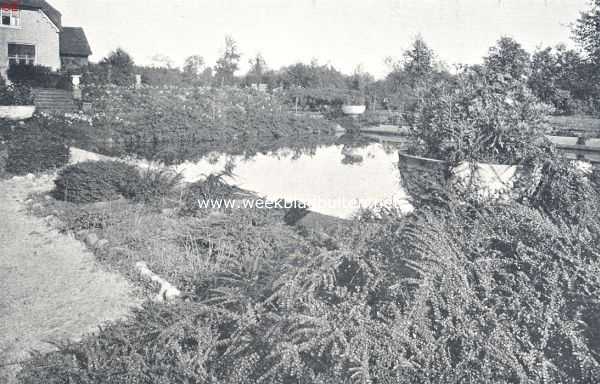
{"type": "Point", "coordinates": [15, 94]}
{"type": "Point", "coordinates": [38, 76]}
{"type": "Point", "coordinates": [31, 147]}
{"type": "Point", "coordinates": [94, 181]}
{"type": "Point", "coordinates": [212, 188]}
{"type": "Point", "coordinates": [564, 192]}
{"type": "Point", "coordinates": [152, 185]}
{"type": "Point", "coordinates": [480, 116]}
{"type": "Point", "coordinates": [504, 292]}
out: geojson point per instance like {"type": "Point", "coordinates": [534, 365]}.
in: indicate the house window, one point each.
{"type": "Point", "coordinates": [10, 16]}
{"type": "Point", "coordinates": [21, 54]}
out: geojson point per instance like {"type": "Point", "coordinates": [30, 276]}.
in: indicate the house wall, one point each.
{"type": "Point", "coordinates": [35, 29]}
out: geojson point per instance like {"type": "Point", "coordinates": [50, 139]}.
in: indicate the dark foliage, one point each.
{"type": "Point", "coordinates": [144, 120]}
{"type": "Point", "coordinates": [213, 188]}
{"type": "Point", "coordinates": [32, 147]}
{"type": "Point", "coordinates": [94, 181]}
{"type": "Point", "coordinates": [15, 94]}
{"type": "Point", "coordinates": [480, 116]}
{"type": "Point", "coordinates": [152, 185]}
{"type": "Point", "coordinates": [38, 76]}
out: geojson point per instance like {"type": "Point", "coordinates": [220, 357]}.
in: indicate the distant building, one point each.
{"type": "Point", "coordinates": [31, 32]}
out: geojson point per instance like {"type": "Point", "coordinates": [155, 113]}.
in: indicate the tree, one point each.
{"type": "Point", "coordinates": [410, 76]}
{"type": "Point", "coordinates": [119, 58]}
{"type": "Point", "coordinates": [313, 76]}
{"type": "Point", "coordinates": [418, 62]}
{"type": "Point", "coordinates": [360, 79]}
{"type": "Point", "coordinates": [586, 32]}
{"type": "Point", "coordinates": [120, 67]}
{"type": "Point", "coordinates": [561, 77]}
{"type": "Point", "coordinates": [161, 61]}
{"type": "Point", "coordinates": [193, 67]}
{"type": "Point", "coordinates": [508, 57]}
{"type": "Point", "coordinates": [228, 64]}
{"type": "Point", "coordinates": [258, 68]}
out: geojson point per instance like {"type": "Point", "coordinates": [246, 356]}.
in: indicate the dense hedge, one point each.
{"type": "Point", "coordinates": [38, 76]}
{"type": "Point", "coordinates": [94, 181]}
{"type": "Point", "coordinates": [33, 148]}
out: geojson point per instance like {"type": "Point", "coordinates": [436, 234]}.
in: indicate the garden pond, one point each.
{"type": "Point", "coordinates": [336, 179]}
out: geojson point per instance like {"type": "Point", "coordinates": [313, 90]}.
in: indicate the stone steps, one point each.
{"type": "Point", "coordinates": [54, 100]}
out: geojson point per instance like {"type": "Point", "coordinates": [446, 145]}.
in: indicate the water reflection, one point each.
{"type": "Point", "coordinates": [177, 151]}
{"type": "Point", "coordinates": [335, 179]}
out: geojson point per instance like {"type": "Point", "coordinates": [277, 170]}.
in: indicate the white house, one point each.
{"type": "Point", "coordinates": [31, 32]}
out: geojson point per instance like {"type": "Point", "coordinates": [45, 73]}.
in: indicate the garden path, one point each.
{"type": "Point", "coordinates": [50, 286]}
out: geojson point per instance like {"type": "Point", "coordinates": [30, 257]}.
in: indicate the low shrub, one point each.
{"type": "Point", "coordinates": [15, 94]}
{"type": "Point", "coordinates": [94, 181]}
{"type": "Point", "coordinates": [212, 188]}
{"type": "Point", "coordinates": [153, 184]}
{"type": "Point", "coordinates": [33, 148]}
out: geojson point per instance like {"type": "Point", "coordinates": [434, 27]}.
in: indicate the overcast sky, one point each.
{"type": "Point", "coordinates": [344, 33]}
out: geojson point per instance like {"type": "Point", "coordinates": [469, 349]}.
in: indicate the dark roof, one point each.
{"type": "Point", "coordinates": [53, 14]}
{"type": "Point", "coordinates": [73, 42]}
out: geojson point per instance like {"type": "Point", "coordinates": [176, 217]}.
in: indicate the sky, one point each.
{"type": "Point", "coordinates": [343, 33]}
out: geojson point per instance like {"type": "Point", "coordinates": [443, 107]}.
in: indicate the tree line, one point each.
{"type": "Point", "coordinates": [567, 79]}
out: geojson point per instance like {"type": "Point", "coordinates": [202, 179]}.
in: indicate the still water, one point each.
{"type": "Point", "coordinates": [336, 180]}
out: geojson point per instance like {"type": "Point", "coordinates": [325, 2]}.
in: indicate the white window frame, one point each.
{"type": "Point", "coordinates": [14, 14]}
{"type": "Point", "coordinates": [28, 59]}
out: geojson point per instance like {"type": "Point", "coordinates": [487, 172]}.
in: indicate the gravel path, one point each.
{"type": "Point", "coordinates": [50, 285]}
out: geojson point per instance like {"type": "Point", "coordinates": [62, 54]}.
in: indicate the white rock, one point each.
{"type": "Point", "coordinates": [167, 290]}
{"type": "Point", "coordinates": [91, 239]}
